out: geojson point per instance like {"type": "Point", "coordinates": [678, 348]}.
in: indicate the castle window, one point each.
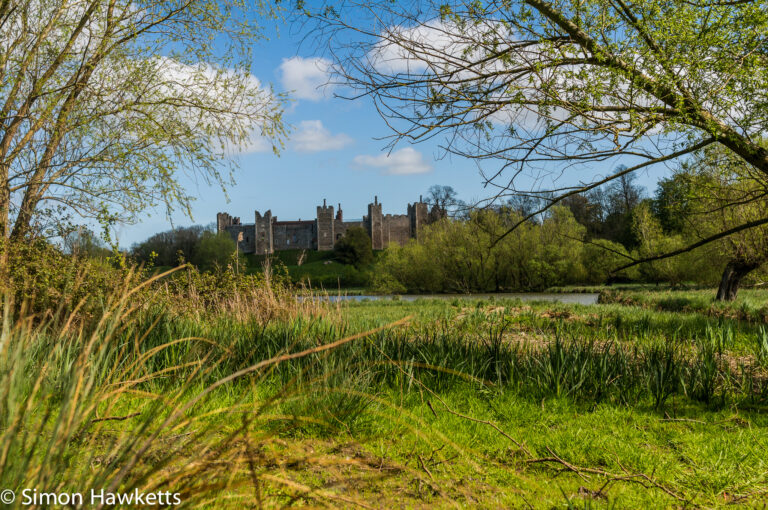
{"type": "Point", "coordinates": [338, 236]}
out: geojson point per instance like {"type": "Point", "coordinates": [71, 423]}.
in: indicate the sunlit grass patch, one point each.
{"type": "Point", "coordinates": [388, 403]}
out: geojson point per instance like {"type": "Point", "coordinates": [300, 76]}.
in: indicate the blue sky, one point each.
{"type": "Point", "coordinates": [334, 152]}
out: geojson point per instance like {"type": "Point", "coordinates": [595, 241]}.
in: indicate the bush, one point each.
{"type": "Point", "coordinates": [215, 250]}
{"type": "Point", "coordinates": [354, 248]}
{"type": "Point", "coordinates": [44, 279]}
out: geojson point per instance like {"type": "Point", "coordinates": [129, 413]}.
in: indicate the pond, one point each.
{"type": "Point", "coordinates": [570, 297]}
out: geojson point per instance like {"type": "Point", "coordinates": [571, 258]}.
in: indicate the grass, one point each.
{"type": "Point", "coordinates": [751, 304]}
{"type": "Point", "coordinates": [316, 269]}
{"type": "Point", "coordinates": [270, 401]}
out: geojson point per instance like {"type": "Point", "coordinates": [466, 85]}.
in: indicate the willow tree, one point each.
{"type": "Point", "coordinates": [721, 192]}
{"type": "Point", "coordinates": [106, 104]}
{"type": "Point", "coordinates": [558, 88]}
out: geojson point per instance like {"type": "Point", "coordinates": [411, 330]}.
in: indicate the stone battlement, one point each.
{"type": "Point", "coordinates": [267, 235]}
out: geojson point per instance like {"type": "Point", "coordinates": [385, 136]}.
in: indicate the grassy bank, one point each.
{"type": "Point", "coordinates": [751, 304]}
{"type": "Point", "coordinates": [316, 269]}
{"type": "Point", "coordinates": [377, 404]}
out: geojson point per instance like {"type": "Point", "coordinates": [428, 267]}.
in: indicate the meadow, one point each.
{"type": "Point", "coordinates": [266, 400]}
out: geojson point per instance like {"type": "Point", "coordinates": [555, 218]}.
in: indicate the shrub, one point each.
{"type": "Point", "coordinates": [44, 279]}
{"type": "Point", "coordinates": [354, 248]}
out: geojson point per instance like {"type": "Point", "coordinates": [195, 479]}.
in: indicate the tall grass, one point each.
{"type": "Point", "coordinates": [120, 402]}
{"type": "Point", "coordinates": [573, 360]}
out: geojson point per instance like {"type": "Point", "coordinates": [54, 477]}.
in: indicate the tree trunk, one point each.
{"type": "Point", "coordinates": [5, 203]}
{"type": "Point", "coordinates": [732, 275]}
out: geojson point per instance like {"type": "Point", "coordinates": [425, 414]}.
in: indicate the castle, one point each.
{"type": "Point", "coordinates": [267, 235]}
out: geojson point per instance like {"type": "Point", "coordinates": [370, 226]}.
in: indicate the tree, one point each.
{"type": "Point", "coordinates": [545, 87]}
{"type": "Point", "coordinates": [725, 192]}
{"type": "Point", "coordinates": [444, 201]}
{"type": "Point", "coordinates": [623, 194]}
{"type": "Point", "coordinates": [525, 204]}
{"type": "Point", "coordinates": [587, 210]}
{"type": "Point", "coordinates": [621, 197]}
{"type": "Point", "coordinates": [354, 248]}
{"type": "Point", "coordinates": [82, 242]}
{"type": "Point", "coordinates": [103, 103]}
{"type": "Point", "coordinates": [215, 250]}
{"type": "Point", "coordinates": [673, 202]}
{"type": "Point", "coordinates": [164, 248]}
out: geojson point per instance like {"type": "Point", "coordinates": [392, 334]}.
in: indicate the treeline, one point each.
{"type": "Point", "coordinates": [198, 245]}
{"type": "Point", "coordinates": [586, 238]}
{"type": "Point", "coordinates": [474, 255]}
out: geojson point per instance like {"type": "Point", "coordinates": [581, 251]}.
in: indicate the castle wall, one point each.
{"type": "Point", "coordinates": [224, 220]}
{"type": "Point", "coordinates": [295, 235]}
{"type": "Point", "coordinates": [396, 229]}
{"type": "Point", "coordinates": [339, 230]}
{"type": "Point", "coordinates": [418, 216]}
{"type": "Point", "coordinates": [246, 245]}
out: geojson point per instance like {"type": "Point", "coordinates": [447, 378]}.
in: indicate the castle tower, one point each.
{"type": "Point", "coordinates": [325, 230]}
{"type": "Point", "coordinates": [417, 217]}
{"type": "Point", "coordinates": [374, 224]}
{"type": "Point", "coordinates": [263, 234]}
{"type": "Point", "coordinates": [224, 220]}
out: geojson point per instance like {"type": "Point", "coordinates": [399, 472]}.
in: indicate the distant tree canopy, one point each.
{"type": "Point", "coordinates": [673, 203]}
{"type": "Point", "coordinates": [197, 245]}
{"type": "Point", "coordinates": [460, 255]}
{"type": "Point", "coordinates": [82, 242]}
{"type": "Point", "coordinates": [168, 246]}
{"type": "Point", "coordinates": [581, 241]}
{"type": "Point", "coordinates": [354, 248]}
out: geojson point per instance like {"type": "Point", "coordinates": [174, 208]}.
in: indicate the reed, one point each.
{"type": "Point", "coordinates": [114, 403]}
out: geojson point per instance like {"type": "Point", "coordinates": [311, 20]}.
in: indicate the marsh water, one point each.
{"type": "Point", "coordinates": [571, 297]}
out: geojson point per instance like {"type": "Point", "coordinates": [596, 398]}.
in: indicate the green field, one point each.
{"type": "Point", "coordinates": [317, 270]}
{"type": "Point", "coordinates": [476, 403]}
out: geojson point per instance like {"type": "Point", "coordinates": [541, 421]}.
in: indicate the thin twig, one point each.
{"type": "Point", "coordinates": [424, 467]}
{"type": "Point", "coordinates": [484, 422]}
{"type": "Point", "coordinates": [115, 418]}
{"type": "Point", "coordinates": [639, 478]}
{"type": "Point", "coordinates": [684, 420]}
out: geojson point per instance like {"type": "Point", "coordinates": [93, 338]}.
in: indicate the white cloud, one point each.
{"type": "Point", "coordinates": [312, 136]}
{"type": "Point", "coordinates": [435, 46]}
{"type": "Point", "coordinates": [255, 143]}
{"type": "Point", "coordinates": [307, 77]}
{"type": "Point", "coordinates": [453, 54]}
{"type": "Point", "coordinates": [406, 161]}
